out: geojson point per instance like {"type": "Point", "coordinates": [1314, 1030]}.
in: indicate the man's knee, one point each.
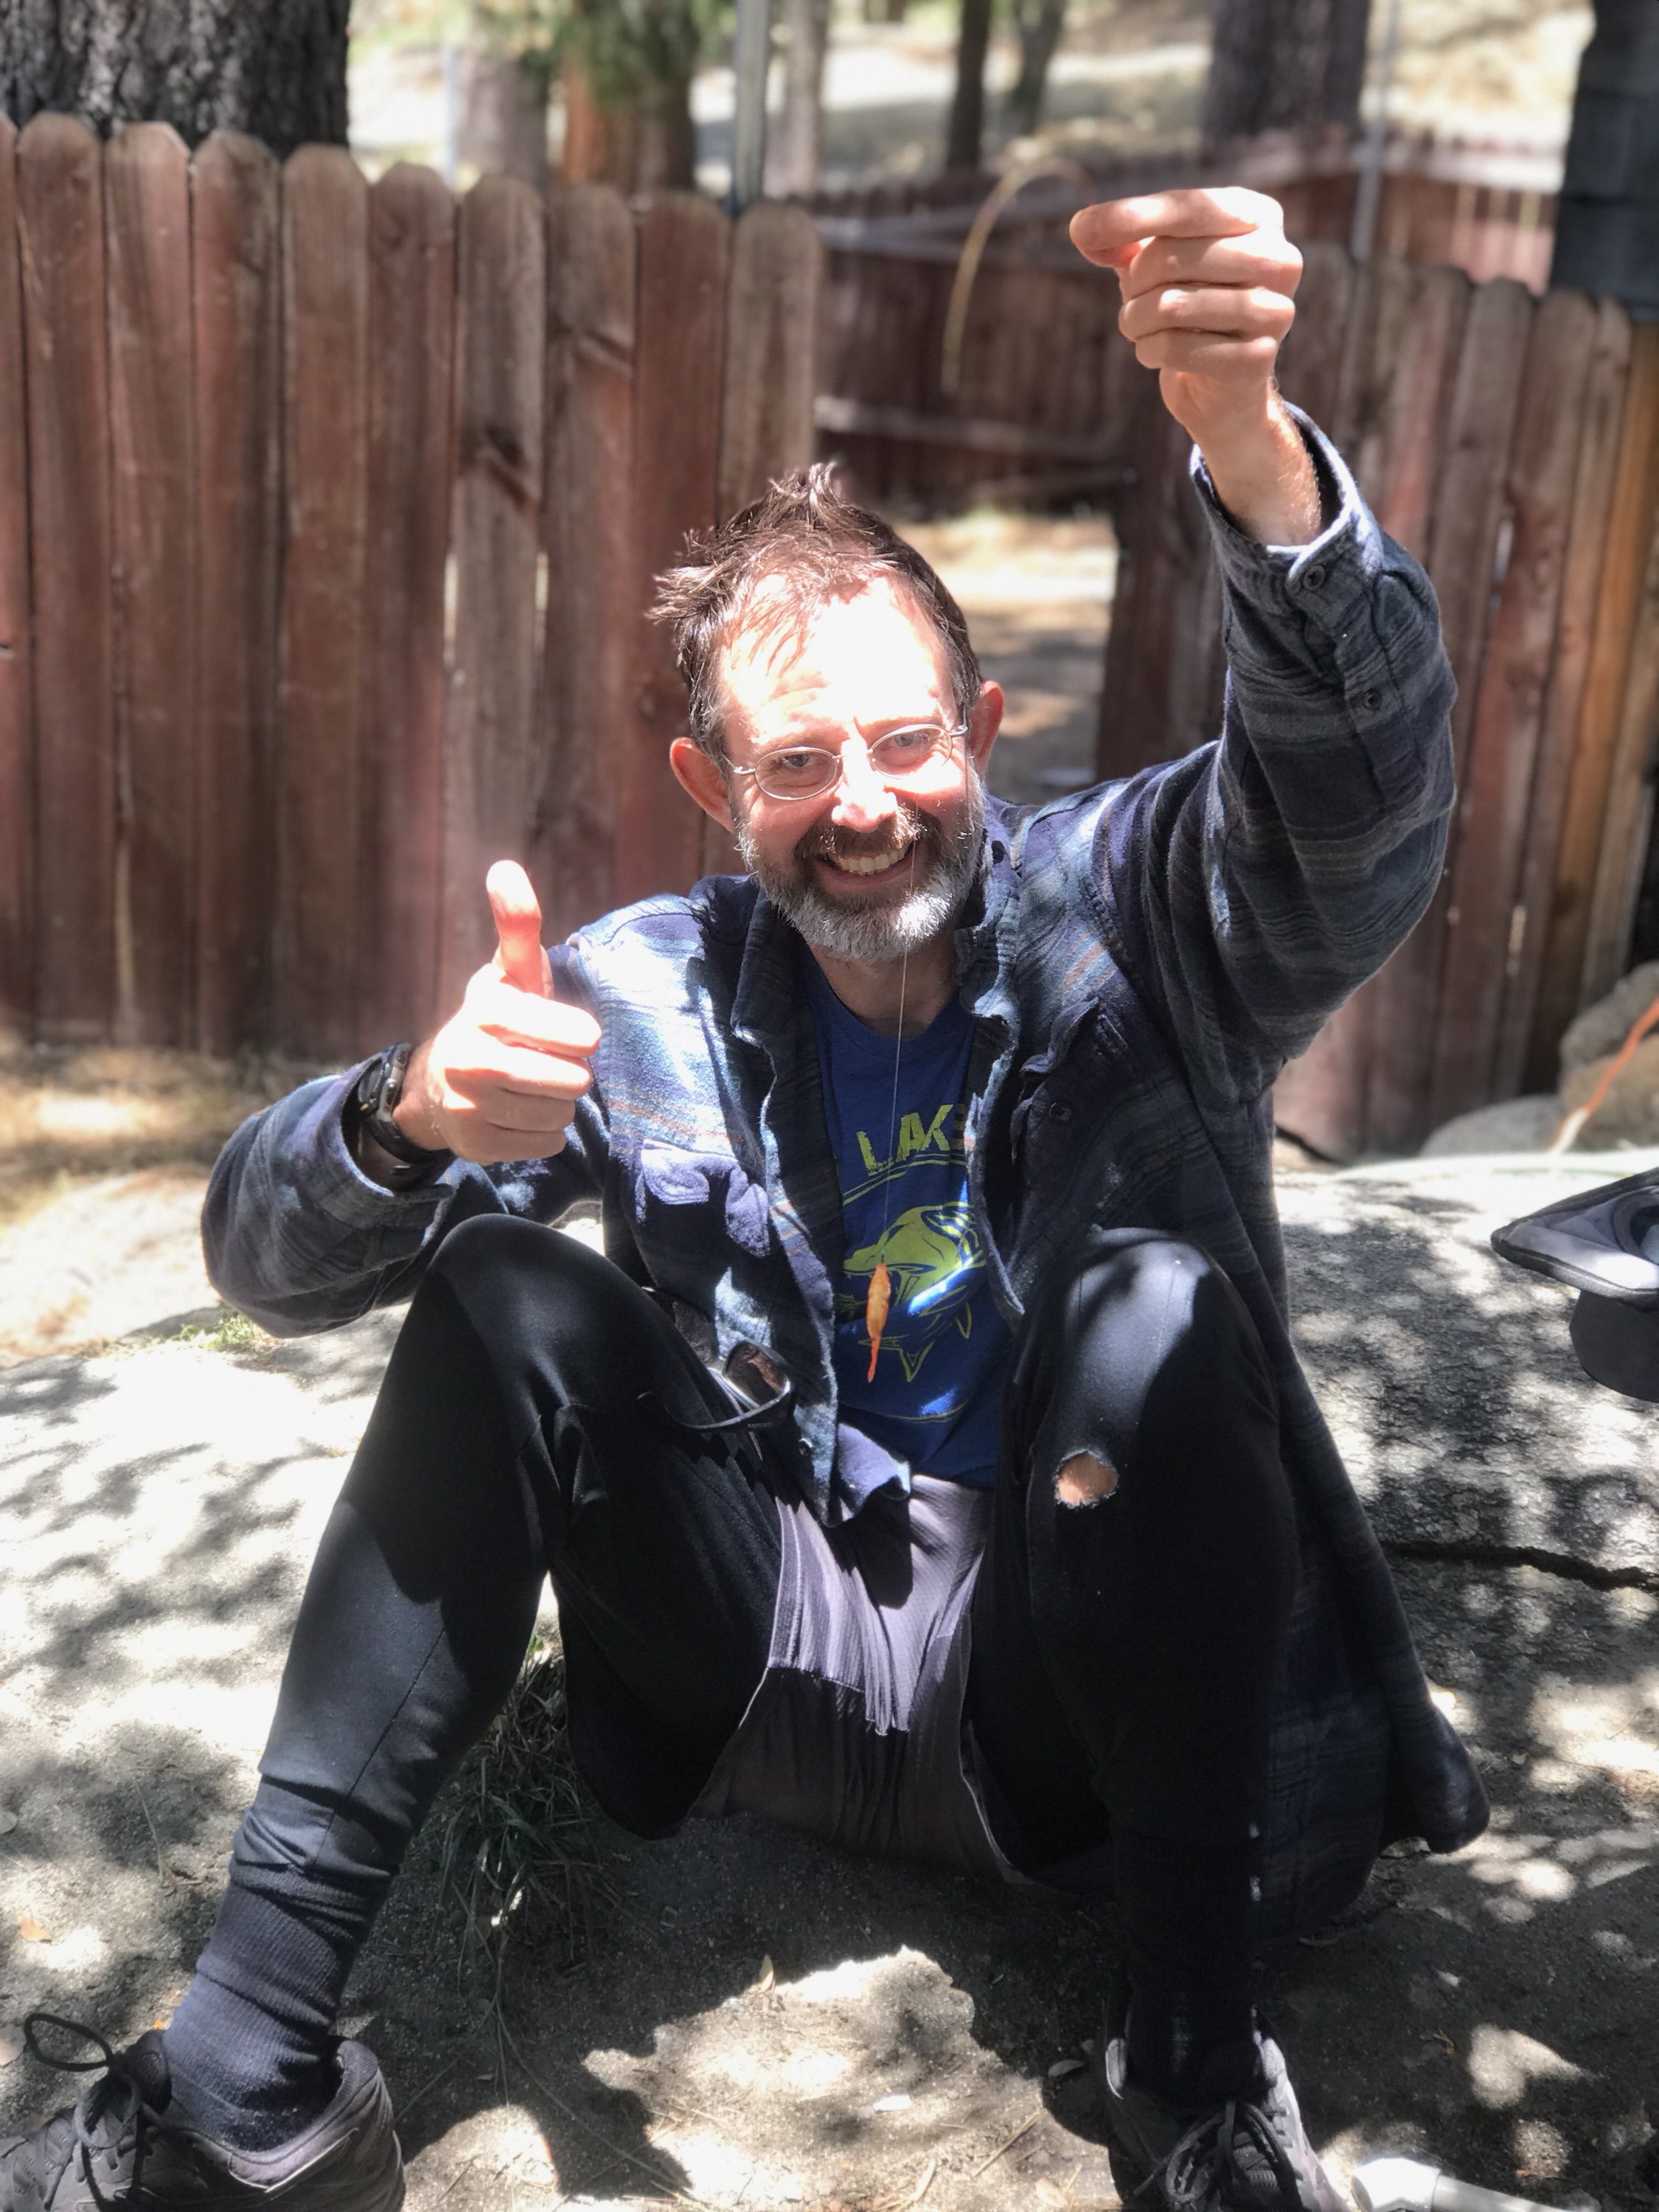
{"type": "Point", "coordinates": [1082, 1479]}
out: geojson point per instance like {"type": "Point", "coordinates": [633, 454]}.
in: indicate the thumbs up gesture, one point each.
{"type": "Point", "coordinates": [500, 1079]}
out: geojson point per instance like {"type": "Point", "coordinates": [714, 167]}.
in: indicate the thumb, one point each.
{"type": "Point", "coordinates": [519, 953]}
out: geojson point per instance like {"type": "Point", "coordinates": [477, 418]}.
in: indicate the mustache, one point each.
{"type": "Point", "coordinates": [894, 839]}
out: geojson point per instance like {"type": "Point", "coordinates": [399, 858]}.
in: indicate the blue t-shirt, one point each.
{"type": "Point", "coordinates": [936, 1400]}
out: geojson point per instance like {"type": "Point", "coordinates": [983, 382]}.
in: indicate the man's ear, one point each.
{"type": "Point", "coordinates": [984, 723]}
{"type": "Point", "coordinates": [699, 776]}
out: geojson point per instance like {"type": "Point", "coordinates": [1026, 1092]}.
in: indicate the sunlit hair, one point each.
{"type": "Point", "coordinates": [771, 567]}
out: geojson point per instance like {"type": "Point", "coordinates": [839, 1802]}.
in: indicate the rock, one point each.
{"type": "Point", "coordinates": [1629, 1114]}
{"type": "Point", "coordinates": [1517, 1125]}
{"type": "Point", "coordinates": [1603, 1027]}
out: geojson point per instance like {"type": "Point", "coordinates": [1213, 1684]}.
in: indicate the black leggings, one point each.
{"type": "Point", "coordinates": [540, 1415]}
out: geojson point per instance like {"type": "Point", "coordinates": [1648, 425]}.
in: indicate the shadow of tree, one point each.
{"type": "Point", "coordinates": [1494, 2009]}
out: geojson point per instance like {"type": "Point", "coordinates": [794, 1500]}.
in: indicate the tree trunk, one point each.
{"type": "Point", "coordinates": [1039, 24]}
{"type": "Point", "coordinates": [276, 68]}
{"type": "Point", "coordinates": [795, 160]}
{"type": "Point", "coordinates": [1285, 65]}
{"type": "Point", "coordinates": [503, 116]}
{"type": "Point", "coordinates": [965, 135]}
{"type": "Point", "coordinates": [1606, 229]}
{"type": "Point", "coordinates": [648, 144]}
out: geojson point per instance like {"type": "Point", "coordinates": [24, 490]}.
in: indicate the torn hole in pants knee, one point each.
{"type": "Point", "coordinates": [1084, 1479]}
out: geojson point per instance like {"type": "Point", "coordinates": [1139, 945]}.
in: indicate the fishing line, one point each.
{"type": "Point", "coordinates": [879, 1295]}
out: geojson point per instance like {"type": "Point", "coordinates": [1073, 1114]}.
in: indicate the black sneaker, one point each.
{"type": "Point", "coordinates": [121, 2148]}
{"type": "Point", "coordinates": [1241, 2154]}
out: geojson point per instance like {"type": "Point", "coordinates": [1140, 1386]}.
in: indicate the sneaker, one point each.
{"type": "Point", "coordinates": [120, 2147]}
{"type": "Point", "coordinates": [1242, 2153]}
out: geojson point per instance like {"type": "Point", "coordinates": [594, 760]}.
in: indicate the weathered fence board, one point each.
{"type": "Point", "coordinates": [1569, 968]}
{"type": "Point", "coordinates": [1630, 792]}
{"type": "Point", "coordinates": [236, 237]}
{"type": "Point", "coordinates": [1529, 1039]}
{"type": "Point", "coordinates": [489, 743]}
{"type": "Point", "coordinates": [152, 425]}
{"type": "Point", "coordinates": [16, 687]}
{"type": "Point", "coordinates": [592, 607]}
{"type": "Point", "coordinates": [683, 245]}
{"type": "Point", "coordinates": [61, 225]}
{"type": "Point", "coordinates": [771, 342]}
{"type": "Point", "coordinates": [325, 321]}
{"type": "Point", "coordinates": [1487, 923]}
{"type": "Point", "coordinates": [411, 424]}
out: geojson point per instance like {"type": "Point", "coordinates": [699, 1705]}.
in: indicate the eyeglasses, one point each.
{"type": "Point", "coordinates": [902, 757]}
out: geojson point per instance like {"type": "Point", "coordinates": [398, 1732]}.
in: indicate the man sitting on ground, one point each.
{"type": "Point", "coordinates": [927, 1463]}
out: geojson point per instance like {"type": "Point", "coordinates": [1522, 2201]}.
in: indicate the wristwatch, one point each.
{"type": "Point", "coordinates": [379, 1089]}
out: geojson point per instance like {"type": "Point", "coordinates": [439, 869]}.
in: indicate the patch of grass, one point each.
{"type": "Point", "coordinates": [519, 1855]}
{"type": "Point", "coordinates": [235, 1333]}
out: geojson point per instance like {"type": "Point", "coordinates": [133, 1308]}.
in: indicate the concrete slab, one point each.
{"type": "Point", "coordinates": [764, 2022]}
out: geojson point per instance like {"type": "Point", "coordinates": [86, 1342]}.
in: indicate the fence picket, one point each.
{"type": "Point", "coordinates": [1463, 537]}
{"type": "Point", "coordinates": [501, 368]}
{"type": "Point", "coordinates": [151, 372]}
{"type": "Point", "coordinates": [771, 341]}
{"type": "Point", "coordinates": [587, 653]}
{"type": "Point", "coordinates": [1311, 361]}
{"type": "Point", "coordinates": [1630, 789]}
{"type": "Point", "coordinates": [1418, 399]}
{"type": "Point", "coordinates": [682, 252]}
{"type": "Point", "coordinates": [765, 404]}
{"type": "Point", "coordinates": [411, 324]}
{"type": "Point", "coordinates": [1636, 484]}
{"type": "Point", "coordinates": [1321, 1096]}
{"type": "Point", "coordinates": [326, 296]}
{"type": "Point", "coordinates": [1483, 949]}
{"type": "Point", "coordinates": [1527, 1042]}
{"type": "Point", "coordinates": [61, 225]}
{"type": "Point", "coordinates": [236, 253]}
{"type": "Point", "coordinates": [17, 825]}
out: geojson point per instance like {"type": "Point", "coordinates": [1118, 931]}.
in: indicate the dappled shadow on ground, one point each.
{"type": "Point", "coordinates": [1493, 2011]}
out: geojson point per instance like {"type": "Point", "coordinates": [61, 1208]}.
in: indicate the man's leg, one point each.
{"type": "Point", "coordinates": [1129, 1623]}
{"type": "Point", "coordinates": [538, 1414]}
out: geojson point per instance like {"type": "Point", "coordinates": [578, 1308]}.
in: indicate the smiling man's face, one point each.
{"type": "Point", "coordinates": [864, 871]}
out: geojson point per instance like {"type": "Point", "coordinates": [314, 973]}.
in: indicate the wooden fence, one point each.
{"type": "Point", "coordinates": [1512, 443]}
{"type": "Point", "coordinates": [1040, 396]}
{"type": "Point", "coordinates": [328, 513]}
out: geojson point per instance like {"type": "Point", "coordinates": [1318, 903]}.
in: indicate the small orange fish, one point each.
{"type": "Point", "coordinates": [875, 1311]}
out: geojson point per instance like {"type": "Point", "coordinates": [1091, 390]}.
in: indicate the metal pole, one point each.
{"type": "Point", "coordinates": [752, 54]}
{"type": "Point", "coordinates": [1368, 199]}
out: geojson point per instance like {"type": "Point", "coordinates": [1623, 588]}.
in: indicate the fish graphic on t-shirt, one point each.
{"type": "Point", "coordinates": [934, 1256]}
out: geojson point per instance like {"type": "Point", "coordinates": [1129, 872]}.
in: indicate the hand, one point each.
{"type": "Point", "coordinates": [500, 1081]}
{"type": "Point", "coordinates": [1208, 281]}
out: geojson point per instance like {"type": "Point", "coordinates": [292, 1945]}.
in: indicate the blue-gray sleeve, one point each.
{"type": "Point", "coordinates": [1253, 884]}
{"type": "Point", "coordinates": [298, 1238]}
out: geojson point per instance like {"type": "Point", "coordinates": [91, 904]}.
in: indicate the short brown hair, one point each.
{"type": "Point", "coordinates": [814, 544]}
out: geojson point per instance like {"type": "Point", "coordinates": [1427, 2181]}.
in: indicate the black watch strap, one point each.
{"type": "Point", "coordinates": [379, 1090]}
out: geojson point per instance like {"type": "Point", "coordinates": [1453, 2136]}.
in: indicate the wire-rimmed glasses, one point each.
{"type": "Point", "coordinates": [898, 757]}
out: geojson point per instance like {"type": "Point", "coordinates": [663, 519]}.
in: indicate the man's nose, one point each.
{"type": "Point", "coordinates": [863, 800]}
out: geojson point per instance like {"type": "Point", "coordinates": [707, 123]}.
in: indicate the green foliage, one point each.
{"type": "Point", "coordinates": [518, 1853]}
{"type": "Point", "coordinates": [235, 1333]}
{"type": "Point", "coordinates": [621, 45]}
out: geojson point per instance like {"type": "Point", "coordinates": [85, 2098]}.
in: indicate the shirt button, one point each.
{"type": "Point", "coordinates": [1060, 1112]}
{"type": "Point", "coordinates": [1314, 577]}
{"type": "Point", "coordinates": [1371, 701]}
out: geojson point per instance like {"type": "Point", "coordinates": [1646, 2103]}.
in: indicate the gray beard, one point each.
{"type": "Point", "coordinates": [878, 930]}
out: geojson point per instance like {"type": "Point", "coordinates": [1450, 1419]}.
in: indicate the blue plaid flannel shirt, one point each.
{"type": "Point", "coordinates": [1141, 960]}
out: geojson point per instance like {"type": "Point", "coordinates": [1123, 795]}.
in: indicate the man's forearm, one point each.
{"type": "Point", "coordinates": [1264, 477]}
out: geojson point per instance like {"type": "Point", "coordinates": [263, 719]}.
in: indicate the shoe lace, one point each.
{"type": "Point", "coordinates": [1224, 2159]}
{"type": "Point", "coordinates": [102, 2123]}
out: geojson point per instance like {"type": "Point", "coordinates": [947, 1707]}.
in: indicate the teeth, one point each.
{"type": "Point", "coordinates": [853, 865]}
